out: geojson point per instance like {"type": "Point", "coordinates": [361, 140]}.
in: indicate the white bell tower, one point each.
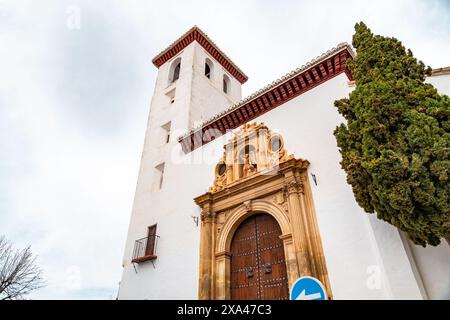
{"type": "Point", "coordinates": [195, 81]}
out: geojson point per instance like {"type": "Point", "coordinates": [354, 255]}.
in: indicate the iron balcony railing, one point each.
{"type": "Point", "coordinates": [145, 249]}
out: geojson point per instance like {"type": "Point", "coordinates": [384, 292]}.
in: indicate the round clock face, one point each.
{"type": "Point", "coordinates": [221, 170]}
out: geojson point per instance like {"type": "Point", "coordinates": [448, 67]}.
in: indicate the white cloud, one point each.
{"type": "Point", "coordinates": [74, 104]}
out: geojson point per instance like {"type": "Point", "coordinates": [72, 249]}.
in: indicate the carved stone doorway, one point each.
{"type": "Point", "coordinates": [269, 181]}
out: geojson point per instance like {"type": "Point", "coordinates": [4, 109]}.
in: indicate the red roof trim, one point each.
{"type": "Point", "coordinates": [196, 34]}
{"type": "Point", "coordinates": [336, 64]}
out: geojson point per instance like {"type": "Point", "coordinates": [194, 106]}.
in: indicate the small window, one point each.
{"type": "Point", "coordinates": [226, 83]}
{"type": "Point", "coordinates": [159, 176]}
{"type": "Point", "coordinates": [275, 144]}
{"type": "Point", "coordinates": [174, 71]}
{"type": "Point", "coordinates": [221, 169]}
{"type": "Point", "coordinates": [209, 68]}
{"type": "Point", "coordinates": [166, 129]}
{"type": "Point", "coordinates": [171, 95]}
{"type": "Point", "coordinates": [207, 71]}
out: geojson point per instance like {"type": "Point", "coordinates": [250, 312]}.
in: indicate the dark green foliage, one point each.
{"type": "Point", "coordinates": [396, 144]}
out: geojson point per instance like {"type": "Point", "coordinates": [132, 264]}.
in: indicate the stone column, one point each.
{"type": "Point", "coordinates": [291, 258]}
{"type": "Point", "coordinates": [299, 230]}
{"type": "Point", "coordinates": [222, 276]}
{"type": "Point", "coordinates": [206, 253]}
{"type": "Point", "coordinates": [317, 258]}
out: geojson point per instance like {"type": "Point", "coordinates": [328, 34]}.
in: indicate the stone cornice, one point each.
{"type": "Point", "coordinates": [440, 71]}
{"type": "Point", "coordinates": [253, 182]}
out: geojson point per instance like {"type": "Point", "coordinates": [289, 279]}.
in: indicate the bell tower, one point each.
{"type": "Point", "coordinates": [195, 81]}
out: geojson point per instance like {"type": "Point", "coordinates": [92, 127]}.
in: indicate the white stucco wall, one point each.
{"type": "Point", "coordinates": [441, 82]}
{"type": "Point", "coordinates": [433, 268]}
{"type": "Point", "coordinates": [359, 249]}
{"type": "Point", "coordinates": [433, 263]}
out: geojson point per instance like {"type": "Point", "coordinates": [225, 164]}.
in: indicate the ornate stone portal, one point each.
{"type": "Point", "coordinates": [256, 175]}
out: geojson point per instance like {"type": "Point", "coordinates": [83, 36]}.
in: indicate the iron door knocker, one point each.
{"type": "Point", "coordinates": [267, 268]}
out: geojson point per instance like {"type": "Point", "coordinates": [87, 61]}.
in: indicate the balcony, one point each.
{"type": "Point", "coordinates": [145, 249]}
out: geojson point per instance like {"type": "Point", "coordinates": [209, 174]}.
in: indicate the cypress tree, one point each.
{"type": "Point", "coordinates": [395, 145]}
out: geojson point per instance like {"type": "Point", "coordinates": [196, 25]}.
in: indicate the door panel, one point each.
{"type": "Point", "coordinates": [150, 247]}
{"type": "Point", "coordinates": [243, 247]}
{"type": "Point", "coordinates": [258, 267]}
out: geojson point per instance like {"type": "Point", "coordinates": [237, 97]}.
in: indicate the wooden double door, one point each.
{"type": "Point", "coordinates": [258, 263]}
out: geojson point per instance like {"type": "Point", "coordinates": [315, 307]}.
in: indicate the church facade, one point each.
{"type": "Point", "coordinates": [237, 198]}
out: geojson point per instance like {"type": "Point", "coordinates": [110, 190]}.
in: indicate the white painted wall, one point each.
{"type": "Point", "coordinates": [441, 82]}
{"type": "Point", "coordinates": [433, 263]}
{"type": "Point", "coordinates": [433, 267]}
{"type": "Point", "coordinates": [358, 248]}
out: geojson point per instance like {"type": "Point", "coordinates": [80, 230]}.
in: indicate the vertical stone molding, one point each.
{"type": "Point", "coordinates": [206, 252]}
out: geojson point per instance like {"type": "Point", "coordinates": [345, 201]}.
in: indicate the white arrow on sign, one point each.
{"type": "Point", "coordinates": [304, 296]}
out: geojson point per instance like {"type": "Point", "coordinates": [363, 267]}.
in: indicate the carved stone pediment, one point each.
{"type": "Point", "coordinates": [253, 149]}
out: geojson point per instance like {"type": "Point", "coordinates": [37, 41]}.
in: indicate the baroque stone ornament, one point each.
{"type": "Point", "coordinates": [207, 214]}
{"type": "Point", "coordinates": [294, 187]}
{"type": "Point", "coordinates": [253, 149]}
{"type": "Point", "coordinates": [256, 175]}
{"type": "Point", "coordinates": [248, 205]}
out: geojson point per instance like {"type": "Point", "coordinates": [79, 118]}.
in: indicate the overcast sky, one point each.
{"type": "Point", "coordinates": [74, 105]}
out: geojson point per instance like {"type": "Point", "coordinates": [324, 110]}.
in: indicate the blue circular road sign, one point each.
{"type": "Point", "coordinates": [308, 288]}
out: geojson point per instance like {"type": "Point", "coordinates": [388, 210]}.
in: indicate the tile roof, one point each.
{"type": "Point", "coordinates": [195, 33]}
{"type": "Point", "coordinates": [315, 72]}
